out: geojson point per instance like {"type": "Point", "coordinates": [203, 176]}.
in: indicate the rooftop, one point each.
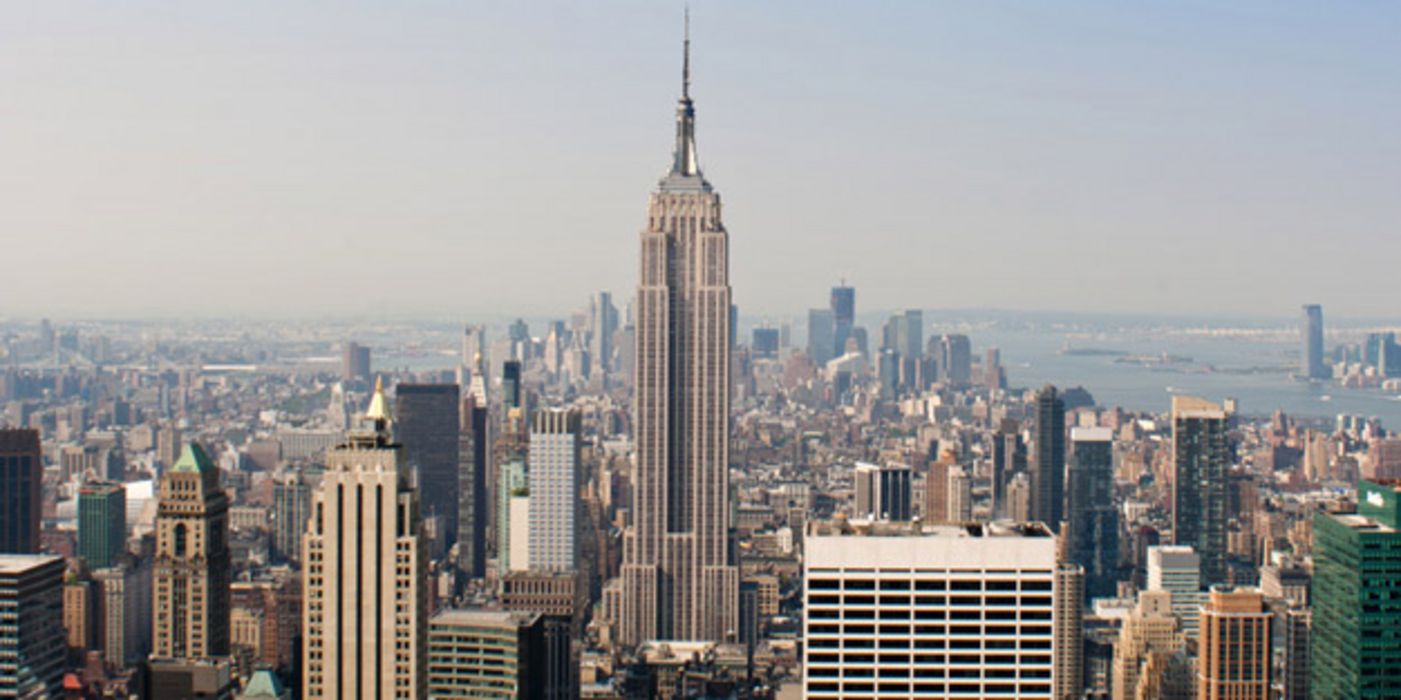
{"type": "Point", "coordinates": [19, 563]}
{"type": "Point", "coordinates": [485, 618]}
{"type": "Point", "coordinates": [866, 528]}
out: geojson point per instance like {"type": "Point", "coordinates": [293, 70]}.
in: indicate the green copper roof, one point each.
{"type": "Point", "coordinates": [194, 460]}
{"type": "Point", "coordinates": [263, 684]}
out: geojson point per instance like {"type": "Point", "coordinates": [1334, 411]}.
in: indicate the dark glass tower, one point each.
{"type": "Point", "coordinates": [21, 474]}
{"type": "Point", "coordinates": [427, 428]}
{"type": "Point", "coordinates": [1201, 456]}
{"type": "Point", "coordinates": [1092, 521]}
{"type": "Point", "coordinates": [1048, 470]}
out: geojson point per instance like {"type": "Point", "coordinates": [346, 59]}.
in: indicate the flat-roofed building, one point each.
{"type": "Point", "coordinates": [32, 642]}
{"type": "Point", "coordinates": [488, 654]}
{"type": "Point", "coordinates": [904, 611]}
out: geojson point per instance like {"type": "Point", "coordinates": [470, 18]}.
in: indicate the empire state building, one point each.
{"type": "Point", "coordinates": [679, 575]}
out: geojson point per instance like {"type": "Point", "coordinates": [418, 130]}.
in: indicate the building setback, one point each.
{"type": "Point", "coordinates": [365, 606]}
{"type": "Point", "coordinates": [680, 580]}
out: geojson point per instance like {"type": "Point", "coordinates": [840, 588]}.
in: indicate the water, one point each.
{"type": "Point", "coordinates": [1255, 372]}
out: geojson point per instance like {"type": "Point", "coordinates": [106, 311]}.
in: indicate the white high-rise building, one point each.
{"type": "Point", "coordinates": [904, 611]}
{"type": "Point", "coordinates": [960, 495]}
{"type": "Point", "coordinates": [554, 491]}
{"type": "Point", "coordinates": [1178, 570]}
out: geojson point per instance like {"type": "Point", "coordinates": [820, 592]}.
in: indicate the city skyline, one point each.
{"type": "Point", "coordinates": [248, 191]}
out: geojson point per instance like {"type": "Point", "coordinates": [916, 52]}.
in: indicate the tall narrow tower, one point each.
{"type": "Point", "coordinates": [365, 605]}
{"type": "Point", "coordinates": [191, 616]}
{"type": "Point", "coordinates": [679, 577]}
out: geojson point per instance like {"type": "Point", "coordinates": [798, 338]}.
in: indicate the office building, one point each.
{"type": "Point", "coordinates": [101, 523]}
{"type": "Point", "coordinates": [1092, 521]}
{"type": "Point", "coordinates": [355, 363]}
{"type": "Point", "coordinates": [482, 654]}
{"type": "Point", "coordinates": [365, 604]}
{"type": "Point", "coordinates": [1233, 658]}
{"type": "Point", "coordinates": [1201, 456]}
{"type": "Point", "coordinates": [955, 353]}
{"type": "Point", "coordinates": [1356, 636]}
{"type": "Point", "coordinates": [291, 509]}
{"type": "Point", "coordinates": [192, 565]}
{"type": "Point", "coordinates": [822, 336]}
{"type": "Point", "coordinates": [32, 643]}
{"type": "Point", "coordinates": [474, 466]}
{"type": "Point", "coordinates": [79, 613]}
{"type": "Point", "coordinates": [679, 577]}
{"type": "Point", "coordinates": [426, 424]}
{"type": "Point", "coordinates": [882, 491]}
{"type": "Point", "coordinates": [554, 491]}
{"type": "Point", "coordinates": [1048, 467]}
{"type": "Point", "coordinates": [1178, 570]}
{"type": "Point", "coordinates": [765, 343]}
{"type": "Point", "coordinates": [903, 611]}
{"type": "Point", "coordinates": [843, 306]}
{"type": "Point", "coordinates": [960, 495]}
{"type": "Point", "coordinates": [1150, 629]}
{"type": "Point", "coordinates": [1311, 364]}
{"type": "Point", "coordinates": [1070, 632]}
{"type": "Point", "coordinates": [1296, 664]}
{"type": "Point", "coordinates": [21, 475]}
{"type": "Point", "coordinates": [202, 679]}
{"type": "Point", "coordinates": [1008, 460]}
{"type": "Point", "coordinates": [603, 323]}
{"type": "Point", "coordinates": [512, 493]}
{"type": "Point", "coordinates": [124, 600]}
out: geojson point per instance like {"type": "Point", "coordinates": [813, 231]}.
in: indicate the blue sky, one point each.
{"type": "Point", "coordinates": [461, 159]}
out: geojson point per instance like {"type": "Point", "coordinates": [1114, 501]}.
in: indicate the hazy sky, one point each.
{"type": "Point", "coordinates": [468, 158]}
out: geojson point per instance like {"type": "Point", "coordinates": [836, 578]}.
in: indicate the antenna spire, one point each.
{"type": "Point", "coordinates": [686, 59]}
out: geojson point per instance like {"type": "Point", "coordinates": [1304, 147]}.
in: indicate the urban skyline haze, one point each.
{"type": "Point", "coordinates": [262, 159]}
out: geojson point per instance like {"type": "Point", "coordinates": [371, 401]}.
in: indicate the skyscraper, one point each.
{"type": "Point", "coordinates": [1048, 469]}
{"type": "Point", "coordinates": [843, 316]}
{"type": "Point", "coordinates": [1150, 628]}
{"type": "Point", "coordinates": [365, 605]}
{"type": "Point", "coordinates": [1178, 570]}
{"type": "Point", "coordinates": [1008, 460]}
{"type": "Point", "coordinates": [192, 568]}
{"type": "Point", "coordinates": [426, 425]}
{"type": "Point", "coordinates": [1234, 646]}
{"type": "Point", "coordinates": [603, 322]}
{"type": "Point", "coordinates": [101, 523]}
{"type": "Point", "coordinates": [955, 360]}
{"type": "Point", "coordinates": [291, 508]}
{"type": "Point", "coordinates": [32, 645]}
{"type": "Point", "coordinates": [1092, 521]}
{"type": "Point", "coordinates": [679, 576]}
{"type": "Point", "coordinates": [882, 491]}
{"type": "Point", "coordinates": [21, 474]}
{"type": "Point", "coordinates": [355, 363]}
{"type": "Point", "coordinates": [1311, 354]}
{"type": "Point", "coordinates": [822, 335]}
{"type": "Point", "coordinates": [1356, 638]}
{"type": "Point", "coordinates": [554, 490]}
{"type": "Point", "coordinates": [474, 467]}
{"type": "Point", "coordinates": [1201, 454]}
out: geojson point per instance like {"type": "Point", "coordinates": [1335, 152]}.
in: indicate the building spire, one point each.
{"type": "Point", "coordinates": [684, 159]}
{"type": "Point", "coordinates": [686, 58]}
